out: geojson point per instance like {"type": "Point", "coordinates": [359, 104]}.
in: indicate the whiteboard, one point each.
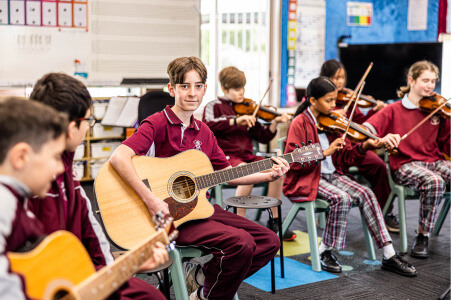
{"type": "Point", "coordinates": [124, 39]}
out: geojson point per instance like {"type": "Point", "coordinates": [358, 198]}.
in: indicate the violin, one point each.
{"type": "Point", "coordinates": [364, 101]}
{"type": "Point", "coordinates": [248, 106]}
{"type": "Point", "coordinates": [428, 104]}
{"type": "Point", "coordinates": [357, 133]}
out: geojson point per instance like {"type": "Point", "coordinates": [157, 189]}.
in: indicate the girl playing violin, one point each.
{"type": "Point", "coordinates": [372, 167]}
{"type": "Point", "coordinates": [420, 163]}
{"type": "Point", "coordinates": [327, 180]}
{"type": "Point", "coordinates": [235, 133]}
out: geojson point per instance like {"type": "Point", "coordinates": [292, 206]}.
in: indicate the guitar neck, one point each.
{"type": "Point", "coordinates": [103, 283]}
{"type": "Point", "coordinates": [215, 178]}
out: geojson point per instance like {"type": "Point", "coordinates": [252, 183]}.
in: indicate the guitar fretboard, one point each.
{"type": "Point", "coordinates": [215, 178]}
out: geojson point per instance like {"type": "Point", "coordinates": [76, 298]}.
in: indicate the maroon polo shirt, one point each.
{"type": "Point", "coordinates": [162, 135]}
{"type": "Point", "coordinates": [424, 144]}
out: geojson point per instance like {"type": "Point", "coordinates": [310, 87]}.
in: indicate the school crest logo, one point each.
{"type": "Point", "coordinates": [197, 145]}
{"type": "Point", "coordinates": [435, 120]}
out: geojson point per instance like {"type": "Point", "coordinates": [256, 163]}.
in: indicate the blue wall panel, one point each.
{"type": "Point", "coordinates": [389, 25]}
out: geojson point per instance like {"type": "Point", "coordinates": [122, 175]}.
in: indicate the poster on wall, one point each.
{"type": "Point", "coordinates": [417, 15]}
{"type": "Point", "coordinates": [359, 13]}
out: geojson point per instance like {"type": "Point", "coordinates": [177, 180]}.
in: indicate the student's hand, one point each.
{"type": "Point", "coordinates": [282, 118]}
{"type": "Point", "coordinates": [380, 105]}
{"type": "Point", "coordinates": [159, 257]}
{"type": "Point", "coordinates": [392, 140]}
{"type": "Point", "coordinates": [246, 120]}
{"type": "Point", "coordinates": [340, 112]}
{"type": "Point", "coordinates": [279, 169]}
{"type": "Point", "coordinates": [336, 145]}
{"type": "Point", "coordinates": [155, 205]}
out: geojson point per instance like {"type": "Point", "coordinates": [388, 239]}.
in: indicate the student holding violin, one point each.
{"type": "Point", "coordinates": [419, 164]}
{"type": "Point", "coordinates": [372, 167]}
{"type": "Point", "coordinates": [235, 132]}
{"type": "Point", "coordinates": [328, 180]}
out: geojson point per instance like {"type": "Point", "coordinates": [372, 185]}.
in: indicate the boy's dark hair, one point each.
{"type": "Point", "coordinates": [182, 65]}
{"type": "Point", "coordinates": [330, 67]}
{"type": "Point", "coordinates": [30, 122]}
{"type": "Point", "coordinates": [64, 93]}
{"type": "Point", "coordinates": [317, 88]}
{"type": "Point", "coordinates": [232, 78]}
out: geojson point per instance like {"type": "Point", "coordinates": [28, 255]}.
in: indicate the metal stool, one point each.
{"type": "Point", "coordinates": [266, 203]}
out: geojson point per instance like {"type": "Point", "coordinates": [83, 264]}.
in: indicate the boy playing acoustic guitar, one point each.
{"type": "Point", "coordinates": [66, 206]}
{"type": "Point", "coordinates": [31, 143]}
{"type": "Point", "coordinates": [239, 247]}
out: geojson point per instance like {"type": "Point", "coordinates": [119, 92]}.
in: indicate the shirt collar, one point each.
{"type": "Point", "coordinates": [174, 120]}
{"type": "Point", "coordinates": [311, 115]}
{"type": "Point", "coordinates": [407, 103]}
{"type": "Point", "coordinates": [17, 185]}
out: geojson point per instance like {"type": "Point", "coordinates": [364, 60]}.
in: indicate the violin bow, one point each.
{"type": "Point", "coordinates": [353, 111]}
{"type": "Point", "coordinates": [424, 120]}
{"type": "Point", "coordinates": [358, 86]}
{"type": "Point", "coordinates": [258, 106]}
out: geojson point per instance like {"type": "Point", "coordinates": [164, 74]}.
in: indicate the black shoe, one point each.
{"type": "Point", "coordinates": [420, 247]}
{"type": "Point", "coordinates": [329, 262]}
{"type": "Point", "coordinates": [274, 226]}
{"type": "Point", "coordinates": [398, 265]}
{"type": "Point", "coordinates": [392, 223]}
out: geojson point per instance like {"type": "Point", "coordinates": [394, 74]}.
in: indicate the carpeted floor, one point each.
{"type": "Point", "coordinates": [364, 281]}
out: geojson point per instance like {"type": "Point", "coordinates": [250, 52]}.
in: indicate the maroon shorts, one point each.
{"type": "Point", "coordinates": [235, 160]}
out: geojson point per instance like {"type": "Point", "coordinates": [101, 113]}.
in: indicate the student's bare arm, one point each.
{"type": "Point", "coordinates": [121, 160]}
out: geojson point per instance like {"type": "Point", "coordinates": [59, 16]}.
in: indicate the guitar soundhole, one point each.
{"type": "Point", "coordinates": [183, 188]}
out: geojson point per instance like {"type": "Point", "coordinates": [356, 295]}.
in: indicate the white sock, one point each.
{"type": "Point", "coordinates": [427, 234]}
{"type": "Point", "coordinates": [323, 247]}
{"type": "Point", "coordinates": [389, 251]}
{"type": "Point", "coordinates": [201, 294]}
{"type": "Point", "coordinates": [200, 277]}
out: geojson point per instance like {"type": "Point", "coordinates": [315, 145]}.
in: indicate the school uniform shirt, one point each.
{"type": "Point", "coordinates": [67, 207]}
{"type": "Point", "coordinates": [301, 183]}
{"type": "Point", "coordinates": [235, 140]}
{"type": "Point", "coordinates": [424, 144]}
{"type": "Point", "coordinates": [164, 135]}
{"type": "Point", "coordinates": [18, 228]}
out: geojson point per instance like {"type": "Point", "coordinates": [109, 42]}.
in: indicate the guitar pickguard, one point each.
{"type": "Point", "coordinates": [179, 210]}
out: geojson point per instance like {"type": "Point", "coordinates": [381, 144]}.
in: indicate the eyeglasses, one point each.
{"type": "Point", "coordinates": [91, 120]}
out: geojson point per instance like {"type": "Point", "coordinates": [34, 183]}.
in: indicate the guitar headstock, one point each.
{"type": "Point", "coordinates": [165, 222]}
{"type": "Point", "coordinates": [307, 154]}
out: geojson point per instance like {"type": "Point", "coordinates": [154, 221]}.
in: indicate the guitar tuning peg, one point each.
{"type": "Point", "coordinates": [303, 144]}
{"type": "Point", "coordinates": [296, 145]}
{"type": "Point", "coordinates": [310, 142]}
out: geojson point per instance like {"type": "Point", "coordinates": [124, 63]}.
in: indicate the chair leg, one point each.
{"type": "Point", "coordinates": [282, 269]}
{"type": "Point", "coordinates": [236, 297]}
{"type": "Point", "coordinates": [368, 240]}
{"type": "Point", "coordinates": [258, 214]}
{"type": "Point", "coordinates": [442, 216]}
{"type": "Point", "coordinates": [312, 235]}
{"type": "Point", "coordinates": [322, 220]}
{"type": "Point", "coordinates": [402, 220]}
{"type": "Point", "coordinates": [389, 202]}
{"type": "Point", "coordinates": [166, 284]}
{"type": "Point", "coordinates": [290, 217]}
{"type": "Point", "coordinates": [218, 195]}
{"type": "Point", "coordinates": [178, 277]}
{"type": "Point", "coordinates": [273, 277]}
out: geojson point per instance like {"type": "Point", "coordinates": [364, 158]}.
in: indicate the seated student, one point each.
{"type": "Point", "coordinates": [373, 168]}
{"type": "Point", "coordinates": [327, 180]}
{"type": "Point", "coordinates": [66, 206]}
{"type": "Point", "coordinates": [419, 164]}
{"type": "Point", "coordinates": [31, 143]}
{"type": "Point", "coordinates": [239, 247]}
{"type": "Point", "coordinates": [235, 134]}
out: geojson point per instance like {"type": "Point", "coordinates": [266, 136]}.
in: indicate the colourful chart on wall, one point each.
{"type": "Point", "coordinates": [359, 13]}
{"type": "Point", "coordinates": [45, 13]}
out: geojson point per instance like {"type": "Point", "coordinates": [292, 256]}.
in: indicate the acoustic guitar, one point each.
{"type": "Point", "coordinates": [60, 267]}
{"type": "Point", "coordinates": [181, 181]}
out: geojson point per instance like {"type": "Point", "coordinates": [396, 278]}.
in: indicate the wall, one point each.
{"type": "Point", "coordinates": [389, 25]}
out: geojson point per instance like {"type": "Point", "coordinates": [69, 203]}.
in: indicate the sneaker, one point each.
{"type": "Point", "coordinates": [329, 262]}
{"type": "Point", "coordinates": [191, 274]}
{"type": "Point", "coordinates": [274, 226]}
{"type": "Point", "coordinates": [420, 247]}
{"type": "Point", "coordinates": [398, 265]}
{"type": "Point", "coordinates": [392, 223]}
